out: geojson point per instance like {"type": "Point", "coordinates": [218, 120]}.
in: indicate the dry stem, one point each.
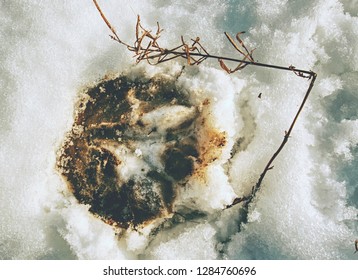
{"type": "Point", "coordinates": [194, 53]}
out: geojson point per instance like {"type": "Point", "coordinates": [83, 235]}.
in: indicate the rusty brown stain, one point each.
{"type": "Point", "coordinates": [211, 141]}
{"type": "Point", "coordinates": [109, 114]}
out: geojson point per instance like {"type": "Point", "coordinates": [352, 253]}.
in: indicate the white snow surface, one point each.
{"type": "Point", "coordinates": [308, 205]}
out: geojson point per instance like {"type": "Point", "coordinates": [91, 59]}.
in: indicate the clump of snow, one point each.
{"type": "Point", "coordinates": [177, 248]}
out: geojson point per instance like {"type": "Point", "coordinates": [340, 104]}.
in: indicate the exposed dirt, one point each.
{"type": "Point", "coordinates": [116, 124]}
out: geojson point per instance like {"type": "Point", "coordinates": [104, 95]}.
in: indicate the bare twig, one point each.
{"type": "Point", "coordinates": [269, 166]}
{"type": "Point", "coordinates": [194, 54]}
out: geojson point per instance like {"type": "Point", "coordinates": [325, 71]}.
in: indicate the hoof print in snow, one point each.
{"type": "Point", "coordinates": [134, 143]}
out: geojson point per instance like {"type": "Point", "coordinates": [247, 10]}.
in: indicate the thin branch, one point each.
{"type": "Point", "coordinates": [115, 37]}
{"type": "Point", "coordinates": [269, 166]}
{"type": "Point", "coordinates": [194, 54]}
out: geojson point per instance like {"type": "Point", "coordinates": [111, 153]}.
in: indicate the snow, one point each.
{"type": "Point", "coordinates": [308, 205]}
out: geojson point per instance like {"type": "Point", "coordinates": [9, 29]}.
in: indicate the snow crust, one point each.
{"type": "Point", "coordinates": [308, 206]}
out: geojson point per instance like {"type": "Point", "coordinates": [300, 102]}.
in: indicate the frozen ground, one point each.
{"type": "Point", "coordinates": [308, 206]}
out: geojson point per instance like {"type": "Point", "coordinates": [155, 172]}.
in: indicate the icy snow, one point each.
{"type": "Point", "coordinates": [308, 205]}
